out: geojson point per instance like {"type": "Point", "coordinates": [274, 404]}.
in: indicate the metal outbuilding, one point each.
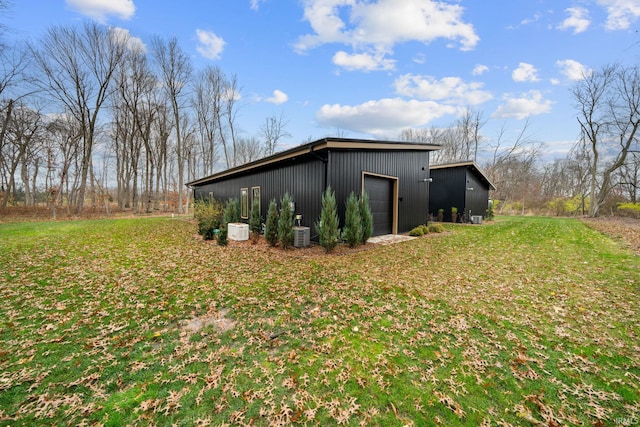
{"type": "Point", "coordinates": [394, 174]}
{"type": "Point", "coordinates": [462, 185]}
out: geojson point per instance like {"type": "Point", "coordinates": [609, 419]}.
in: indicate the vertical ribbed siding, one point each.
{"type": "Point", "coordinates": [302, 179]}
{"type": "Point", "coordinates": [410, 167]}
{"type": "Point", "coordinates": [478, 198]}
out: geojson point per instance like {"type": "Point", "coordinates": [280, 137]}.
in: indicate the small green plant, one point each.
{"type": "Point", "coordinates": [440, 214]}
{"type": "Point", "coordinates": [327, 225]}
{"type": "Point", "coordinates": [454, 214]}
{"type": "Point", "coordinates": [271, 227]}
{"type": "Point", "coordinates": [435, 228]}
{"type": "Point", "coordinates": [255, 221]}
{"type": "Point", "coordinates": [490, 213]}
{"type": "Point", "coordinates": [352, 232]}
{"type": "Point", "coordinates": [285, 222]}
{"type": "Point", "coordinates": [366, 217]}
{"type": "Point", "coordinates": [223, 235]}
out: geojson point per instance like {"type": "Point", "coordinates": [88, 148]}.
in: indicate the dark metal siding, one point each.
{"type": "Point", "coordinates": [302, 178]}
{"type": "Point", "coordinates": [478, 198]}
{"type": "Point", "coordinates": [410, 167]}
{"type": "Point", "coordinates": [450, 187]}
{"type": "Point", "coordinates": [447, 190]}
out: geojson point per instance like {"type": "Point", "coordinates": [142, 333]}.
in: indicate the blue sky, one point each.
{"type": "Point", "coordinates": [370, 68]}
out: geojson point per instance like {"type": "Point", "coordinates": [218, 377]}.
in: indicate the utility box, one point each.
{"type": "Point", "coordinates": [476, 219]}
{"type": "Point", "coordinates": [238, 231]}
{"type": "Point", "coordinates": [301, 237]}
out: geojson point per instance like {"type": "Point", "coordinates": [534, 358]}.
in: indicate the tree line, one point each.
{"type": "Point", "coordinates": [598, 174]}
{"type": "Point", "coordinates": [88, 107]}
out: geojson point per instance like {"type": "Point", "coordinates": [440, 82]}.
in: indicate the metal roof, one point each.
{"type": "Point", "coordinates": [316, 146]}
{"type": "Point", "coordinates": [470, 164]}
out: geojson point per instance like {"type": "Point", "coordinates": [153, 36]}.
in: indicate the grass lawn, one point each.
{"type": "Point", "coordinates": [524, 321]}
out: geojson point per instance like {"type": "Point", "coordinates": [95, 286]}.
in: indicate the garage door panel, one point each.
{"type": "Point", "coordinates": [380, 191]}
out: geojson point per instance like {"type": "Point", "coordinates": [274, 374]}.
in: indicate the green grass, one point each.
{"type": "Point", "coordinates": [523, 321]}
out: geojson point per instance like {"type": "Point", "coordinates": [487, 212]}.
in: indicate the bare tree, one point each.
{"type": "Point", "coordinates": [77, 67]}
{"type": "Point", "coordinates": [175, 72]}
{"type": "Point", "coordinates": [273, 130]}
{"type": "Point", "coordinates": [608, 103]}
{"type": "Point", "coordinates": [207, 103]}
{"type": "Point", "coordinates": [18, 149]}
{"type": "Point", "coordinates": [248, 150]}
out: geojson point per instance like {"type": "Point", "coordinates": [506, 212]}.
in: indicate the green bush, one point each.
{"type": "Point", "coordinates": [231, 212]}
{"type": "Point", "coordinates": [629, 209]}
{"type": "Point", "coordinates": [285, 222]}
{"type": "Point", "coordinates": [271, 227]}
{"type": "Point", "coordinates": [255, 220]}
{"type": "Point", "coordinates": [435, 228]}
{"type": "Point", "coordinates": [352, 232]}
{"type": "Point", "coordinates": [208, 214]}
{"type": "Point", "coordinates": [417, 231]}
{"type": "Point", "coordinates": [327, 225]}
{"type": "Point", "coordinates": [366, 217]}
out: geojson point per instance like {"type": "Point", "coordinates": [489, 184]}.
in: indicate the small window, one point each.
{"type": "Point", "coordinates": [255, 195]}
{"type": "Point", "coordinates": [244, 203]}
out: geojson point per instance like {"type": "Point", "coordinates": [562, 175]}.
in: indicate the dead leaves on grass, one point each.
{"type": "Point", "coordinates": [413, 333]}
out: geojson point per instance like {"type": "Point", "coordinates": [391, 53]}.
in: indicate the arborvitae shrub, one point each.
{"type": "Point", "coordinates": [366, 217]}
{"type": "Point", "coordinates": [285, 222]}
{"type": "Point", "coordinates": [231, 212]}
{"type": "Point", "coordinates": [352, 232]}
{"type": "Point", "coordinates": [223, 235]}
{"type": "Point", "coordinates": [255, 220]}
{"type": "Point", "coordinates": [271, 227]}
{"type": "Point", "coordinates": [327, 225]}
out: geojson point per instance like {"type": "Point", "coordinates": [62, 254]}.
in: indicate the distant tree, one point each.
{"type": "Point", "coordinates": [248, 150]}
{"type": "Point", "coordinates": [352, 232]}
{"type": "Point", "coordinates": [273, 130]}
{"type": "Point", "coordinates": [175, 71]}
{"type": "Point", "coordinates": [608, 103]}
{"type": "Point", "coordinates": [285, 222]}
{"type": "Point", "coordinates": [366, 217]}
{"type": "Point", "coordinates": [271, 227]}
{"type": "Point", "coordinates": [327, 224]}
{"type": "Point", "coordinates": [77, 68]}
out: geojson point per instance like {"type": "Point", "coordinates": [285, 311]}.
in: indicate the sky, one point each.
{"type": "Point", "coordinates": [371, 68]}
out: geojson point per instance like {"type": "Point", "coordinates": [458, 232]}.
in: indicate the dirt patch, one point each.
{"type": "Point", "coordinates": [218, 320]}
{"type": "Point", "coordinates": [627, 230]}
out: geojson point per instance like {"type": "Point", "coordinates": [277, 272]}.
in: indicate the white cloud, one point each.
{"type": "Point", "coordinates": [378, 26]}
{"type": "Point", "coordinates": [573, 70]}
{"type": "Point", "coordinates": [479, 69]}
{"type": "Point", "coordinates": [451, 90]}
{"type": "Point", "coordinates": [525, 73]}
{"type": "Point", "coordinates": [578, 20]}
{"type": "Point", "coordinates": [211, 46]}
{"type": "Point", "coordinates": [363, 61]}
{"type": "Point", "coordinates": [622, 13]}
{"type": "Point", "coordinates": [382, 117]}
{"type": "Point", "coordinates": [255, 4]}
{"type": "Point", "coordinates": [528, 104]}
{"type": "Point", "coordinates": [100, 9]}
{"type": "Point", "coordinates": [123, 35]}
{"type": "Point", "coordinates": [278, 97]}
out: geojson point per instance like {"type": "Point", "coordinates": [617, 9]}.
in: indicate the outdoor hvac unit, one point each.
{"type": "Point", "coordinates": [238, 231]}
{"type": "Point", "coordinates": [476, 219]}
{"type": "Point", "coordinates": [301, 237]}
